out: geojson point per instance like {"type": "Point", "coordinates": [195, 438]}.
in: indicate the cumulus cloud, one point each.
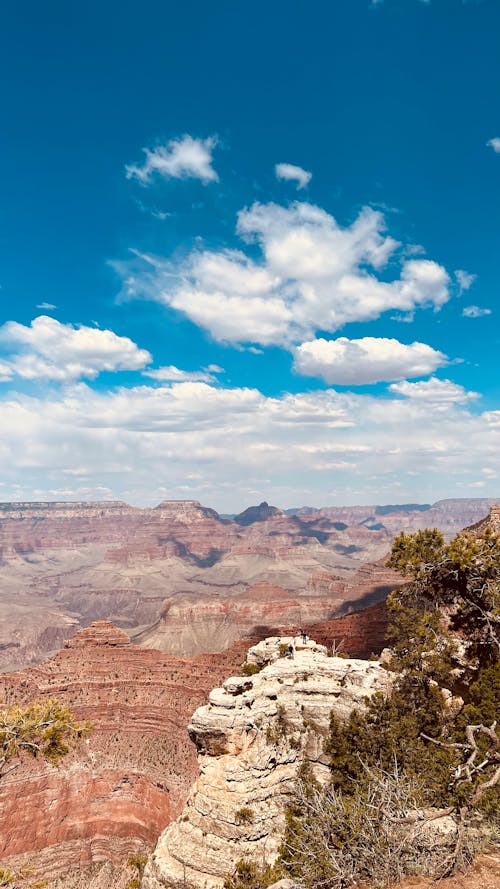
{"type": "Point", "coordinates": [47, 349]}
{"type": "Point", "coordinates": [221, 442]}
{"type": "Point", "coordinates": [494, 144]}
{"type": "Point", "coordinates": [475, 312]}
{"type": "Point", "coordinates": [313, 274]}
{"type": "Point", "coordinates": [435, 390]}
{"type": "Point", "coordinates": [173, 374]}
{"type": "Point", "coordinates": [368, 360]}
{"type": "Point", "coordinates": [465, 280]}
{"type": "Point", "coordinates": [184, 158]}
{"type": "Point", "coordinates": [293, 174]}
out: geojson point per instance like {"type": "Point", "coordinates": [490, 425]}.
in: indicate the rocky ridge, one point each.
{"type": "Point", "coordinates": [251, 738]}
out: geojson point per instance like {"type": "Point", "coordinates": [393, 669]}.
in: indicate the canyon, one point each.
{"type": "Point", "coordinates": [152, 610]}
{"type": "Point", "coordinates": [180, 578]}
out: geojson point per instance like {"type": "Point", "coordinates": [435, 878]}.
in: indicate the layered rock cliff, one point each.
{"type": "Point", "coordinates": [251, 738]}
{"type": "Point", "coordinates": [117, 791]}
{"type": "Point", "coordinates": [65, 565]}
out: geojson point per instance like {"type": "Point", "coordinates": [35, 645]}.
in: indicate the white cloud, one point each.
{"type": "Point", "coordinates": [173, 374]}
{"type": "Point", "coordinates": [134, 442]}
{"type": "Point", "coordinates": [494, 144]}
{"type": "Point", "coordinates": [465, 280]}
{"type": "Point", "coordinates": [6, 372]}
{"type": "Point", "coordinates": [313, 275]}
{"type": "Point", "coordinates": [184, 158]}
{"type": "Point", "coordinates": [434, 390]}
{"type": "Point", "coordinates": [293, 174]}
{"type": "Point", "coordinates": [47, 306]}
{"type": "Point", "coordinates": [406, 318]}
{"type": "Point", "coordinates": [368, 360]}
{"type": "Point", "coordinates": [475, 312]}
{"type": "Point", "coordinates": [47, 349]}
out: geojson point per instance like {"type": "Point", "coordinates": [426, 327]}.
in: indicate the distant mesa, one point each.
{"type": "Point", "coordinates": [402, 507]}
{"type": "Point", "coordinates": [259, 513]}
{"type": "Point", "coordinates": [101, 632]}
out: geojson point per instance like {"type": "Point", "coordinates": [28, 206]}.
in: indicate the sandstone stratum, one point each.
{"type": "Point", "coordinates": [181, 578]}
{"type": "Point", "coordinates": [251, 738]}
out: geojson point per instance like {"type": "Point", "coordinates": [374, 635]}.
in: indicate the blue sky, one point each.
{"type": "Point", "coordinates": [250, 251]}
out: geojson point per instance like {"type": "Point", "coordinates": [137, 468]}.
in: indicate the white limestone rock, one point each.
{"type": "Point", "coordinates": [252, 737]}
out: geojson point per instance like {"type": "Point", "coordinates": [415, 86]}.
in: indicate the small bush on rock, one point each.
{"type": "Point", "coordinates": [248, 875]}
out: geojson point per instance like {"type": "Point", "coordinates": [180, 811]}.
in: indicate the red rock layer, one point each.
{"type": "Point", "coordinates": [28, 527]}
{"type": "Point", "coordinates": [121, 787]}
{"type": "Point", "coordinates": [359, 634]}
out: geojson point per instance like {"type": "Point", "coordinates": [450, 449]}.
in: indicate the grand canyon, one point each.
{"type": "Point", "coordinates": [182, 579]}
{"type": "Point", "coordinates": [152, 608]}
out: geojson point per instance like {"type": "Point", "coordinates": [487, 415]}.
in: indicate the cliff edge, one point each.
{"type": "Point", "coordinates": [251, 738]}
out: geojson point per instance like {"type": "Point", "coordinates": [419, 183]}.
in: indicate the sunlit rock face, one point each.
{"type": "Point", "coordinates": [251, 738]}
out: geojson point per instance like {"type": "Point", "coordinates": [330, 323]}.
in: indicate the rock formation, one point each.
{"type": "Point", "coordinates": [251, 739]}
{"type": "Point", "coordinates": [257, 514]}
{"type": "Point", "coordinates": [491, 521]}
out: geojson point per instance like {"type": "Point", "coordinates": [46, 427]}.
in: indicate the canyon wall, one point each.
{"type": "Point", "coordinates": [116, 792]}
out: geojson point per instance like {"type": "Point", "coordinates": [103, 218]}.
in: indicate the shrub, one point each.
{"type": "Point", "coordinates": [335, 840]}
{"type": "Point", "coordinates": [248, 875]}
{"type": "Point", "coordinates": [245, 815]}
{"type": "Point", "coordinates": [250, 669]}
{"type": "Point", "coordinates": [137, 863]}
{"type": "Point", "coordinates": [43, 728]}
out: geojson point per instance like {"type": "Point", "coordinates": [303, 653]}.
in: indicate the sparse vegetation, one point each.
{"type": "Point", "coordinates": [245, 815]}
{"type": "Point", "coordinates": [376, 834]}
{"type": "Point", "coordinates": [250, 669]}
{"type": "Point", "coordinates": [137, 863]}
{"type": "Point", "coordinates": [278, 731]}
{"type": "Point", "coordinates": [20, 879]}
{"type": "Point", "coordinates": [248, 875]}
{"type": "Point", "coordinates": [43, 728]}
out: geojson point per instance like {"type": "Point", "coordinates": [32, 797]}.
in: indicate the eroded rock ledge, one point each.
{"type": "Point", "coordinates": [251, 739]}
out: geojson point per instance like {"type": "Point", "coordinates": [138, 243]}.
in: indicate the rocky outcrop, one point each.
{"type": "Point", "coordinates": [491, 521]}
{"type": "Point", "coordinates": [259, 513]}
{"type": "Point", "coordinates": [251, 739]}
